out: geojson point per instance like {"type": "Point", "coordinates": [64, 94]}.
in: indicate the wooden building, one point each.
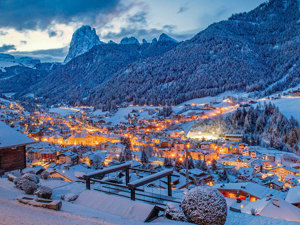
{"type": "Point", "coordinates": [12, 148]}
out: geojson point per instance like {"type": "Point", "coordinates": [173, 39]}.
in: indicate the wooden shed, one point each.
{"type": "Point", "coordinates": [12, 148]}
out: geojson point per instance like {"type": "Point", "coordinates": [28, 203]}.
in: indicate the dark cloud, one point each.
{"type": "Point", "coordinates": [6, 48]}
{"type": "Point", "coordinates": [182, 9]}
{"type": "Point", "coordinates": [140, 17]}
{"type": "Point", "coordinates": [52, 33]}
{"type": "Point", "coordinates": [3, 33]}
{"type": "Point", "coordinates": [39, 14]}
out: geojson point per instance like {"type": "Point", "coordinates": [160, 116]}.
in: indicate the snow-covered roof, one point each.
{"type": "Point", "coordinates": [10, 137]}
{"type": "Point", "coordinates": [275, 208]}
{"type": "Point", "coordinates": [293, 196]}
{"type": "Point", "coordinates": [284, 210]}
{"type": "Point", "coordinates": [251, 188]}
{"type": "Point", "coordinates": [70, 154]}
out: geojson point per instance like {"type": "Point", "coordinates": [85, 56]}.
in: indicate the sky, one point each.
{"type": "Point", "coordinates": [44, 28]}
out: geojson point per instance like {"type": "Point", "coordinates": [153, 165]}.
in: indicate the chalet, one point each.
{"type": "Point", "coordinates": [68, 157]}
{"type": "Point", "coordinates": [246, 173]}
{"type": "Point", "coordinates": [293, 196]}
{"type": "Point", "coordinates": [12, 148]}
{"type": "Point", "coordinates": [237, 163]}
{"type": "Point", "coordinates": [296, 93]}
{"type": "Point", "coordinates": [274, 184]}
{"type": "Point", "coordinates": [283, 171]}
{"type": "Point", "coordinates": [247, 190]}
{"type": "Point", "coordinates": [33, 154]}
{"type": "Point", "coordinates": [48, 155]}
{"type": "Point", "coordinates": [93, 157]}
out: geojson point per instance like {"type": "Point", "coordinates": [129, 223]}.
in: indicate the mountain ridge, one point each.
{"type": "Point", "coordinates": [235, 54]}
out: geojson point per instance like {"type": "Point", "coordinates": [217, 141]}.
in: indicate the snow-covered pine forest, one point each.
{"type": "Point", "coordinates": [262, 125]}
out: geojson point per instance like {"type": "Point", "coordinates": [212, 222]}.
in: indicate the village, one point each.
{"type": "Point", "coordinates": [69, 143]}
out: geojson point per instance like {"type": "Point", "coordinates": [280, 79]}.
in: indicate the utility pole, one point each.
{"type": "Point", "coordinates": [187, 165]}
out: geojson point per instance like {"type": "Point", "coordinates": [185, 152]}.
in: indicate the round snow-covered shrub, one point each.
{"type": "Point", "coordinates": [205, 206]}
{"type": "Point", "coordinates": [45, 175]}
{"type": "Point", "coordinates": [174, 212]}
{"type": "Point", "coordinates": [18, 182]}
{"type": "Point", "coordinates": [28, 186]}
{"type": "Point", "coordinates": [44, 192]}
{"type": "Point", "coordinates": [69, 197]}
{"type": "Point", "coordinates": [31, 177]}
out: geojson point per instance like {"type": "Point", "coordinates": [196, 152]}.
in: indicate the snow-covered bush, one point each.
{"type": "Point", "coordinates": [32, 177]}
{"type": "Point", "coordinates": [69, 197]}
{"type": "Point", "coordinates": [45, 175]}
{"type": "Point", "coordinates": [174, 212]}
{"type": "Point", "coordinates": [44, 192]}
{"type": "Point", "coordinates": [28, 186]}
{"type": "Point", "coordinates": [18, 181]}
{"type": "Point", "coordinates": [205, 206]}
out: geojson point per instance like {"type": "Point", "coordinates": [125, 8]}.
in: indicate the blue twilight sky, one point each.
{"type": "Point", "coordinates": [47, 25]}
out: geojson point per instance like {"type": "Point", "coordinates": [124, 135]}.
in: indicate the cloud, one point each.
{"type": "Point", "coordinates": [39, 14]}
{"type": "Point", "coordinates": [6, 48]}
{"type": "Point", "coordinates": [45, 55]}
{"type": "Point", "coordinates": [138, 18]}
{"type": "Point", "coordinates": [52, 33]}
{"type": "Point", "coordinates": [23, 42]}
{"type": "Point", "coordinates": [58, 52]}
{"type": "Point", "coordinates": [182, 9]}
{"type": "Point", "coordinates": [3, 33]}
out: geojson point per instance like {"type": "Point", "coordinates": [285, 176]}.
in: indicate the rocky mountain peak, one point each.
{"type": "Point", "coordinates": [165, 38]}
{"type": "Point", "coordinates": [83, 39]}
{"type": "Point", "coordinates": [129, 41]}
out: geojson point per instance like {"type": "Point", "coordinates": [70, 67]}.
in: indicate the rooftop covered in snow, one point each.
{"type": "Point", "coordinates": [10, 137]}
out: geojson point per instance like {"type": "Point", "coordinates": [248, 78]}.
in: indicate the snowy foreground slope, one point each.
{"type": "Point", "coordinates": [12, 212]}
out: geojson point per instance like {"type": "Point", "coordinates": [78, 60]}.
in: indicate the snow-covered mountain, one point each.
{"type": "Point", "coordinates": [248, 52]}
{"type": "Point", "coordinates": [77, 78]}
{"type": "Point", "coordinates": [165, 38]}
{"type": "Point", "coordinates": [83, 40]}
{"type": "Point", "coordinates": [7, 60]}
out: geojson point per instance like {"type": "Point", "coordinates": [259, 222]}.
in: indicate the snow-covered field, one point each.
{"type": "Point", "coordinates": [218, 98]}
{"type": "Point", "coordinates": [288, 107]}
{"type": "Point", "coordinates": [64, 111]}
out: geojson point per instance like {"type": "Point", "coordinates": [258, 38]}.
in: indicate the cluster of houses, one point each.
{"type": "Point", "coordinates": [84, 141]}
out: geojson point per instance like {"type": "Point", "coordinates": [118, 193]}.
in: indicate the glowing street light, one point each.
{"type": "Point", "coordinates": [187, 147]}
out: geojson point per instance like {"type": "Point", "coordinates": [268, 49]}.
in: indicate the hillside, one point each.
{"type": "Point", "coordinates": [248, 52]}
{"type": "Point", "coordinates": [75, 80]}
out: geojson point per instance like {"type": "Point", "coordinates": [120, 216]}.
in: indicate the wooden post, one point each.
{"type": "Point", "coordinates": [169, 186]}
{"type": "Point", "coordinates": [88, 183]}
{"type": "Point", "coordinates": [127, 175]}
{"type": "Point", "coordinates": [132, 194]}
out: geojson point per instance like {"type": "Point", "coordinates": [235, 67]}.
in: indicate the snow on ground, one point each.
{"type": "Point", "coordinates": [64, 111]}
{"type": "Point", "coordinates": [218, 98]}
{"type": "Point", "coordinates": [13, 212]}
{"type": "Point", "coordinates": [288, 106]}
{"type": "Point", "coordinates": [120, 115]}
